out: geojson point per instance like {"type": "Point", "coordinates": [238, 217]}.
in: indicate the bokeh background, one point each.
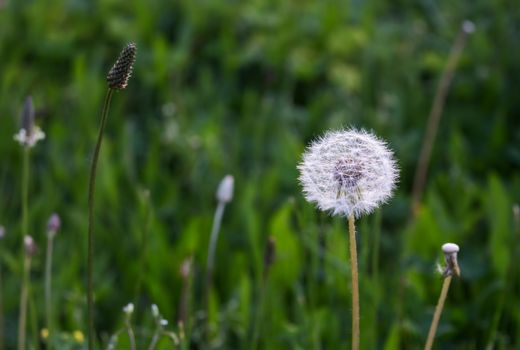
{"type": "Point", "coordinates": [232, 87]}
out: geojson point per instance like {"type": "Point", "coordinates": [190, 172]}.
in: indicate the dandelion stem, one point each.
{"type": "Point", "coordinates": [23, 302]}
{"type": "Point", "coordinates": [91, 188]}
{"type": "Point", "coordinates": [438, 312]}
{"type": "Point", "coordinates": [355, 283]}
{"type": "Point", "coordinates": [48, 282]}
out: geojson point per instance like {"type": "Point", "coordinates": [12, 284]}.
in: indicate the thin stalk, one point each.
{"type": "Point", "coordinates": [48, 283]}
{"type": "Point", "coordinates": [259, 315]}
{"type": "Point", "coordinates": [91, 188]}
{"type": "Point", "coordinates": [22, 318]}
{"type": "Point", "coordinates": [438, 312]}
{"type": "Point", "coordinates": [355, 282]}
{"type": "Point", "coordinates": [155, 339]}
{"type": "Point", "coordinates": [25, 192]}
{"type": "Point", "coordinates": [33, 313]}
{"type": "Point", "coordinates": [435, 117]}
{"type": "Point", "coordinates": [22, 321]}
{"type": "Point", "coordinates": [1, 311]}
{"type": "Point", "coordinates": [217, 220]}
{"type": "Point", "coordinates": [131, 335]}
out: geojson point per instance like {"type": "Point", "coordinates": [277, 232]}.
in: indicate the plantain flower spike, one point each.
{"type": "Point", "coordinates": [29, 133]}
{"type": "Point", "coordinates": [348, 172]}
{"type": "Point", "coordinates": [121, 71]}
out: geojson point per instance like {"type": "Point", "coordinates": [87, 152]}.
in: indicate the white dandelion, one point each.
{"type": "Point", "coordinates": [348, 172]}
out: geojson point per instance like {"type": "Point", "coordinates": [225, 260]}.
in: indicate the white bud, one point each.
{"type": "Point", "coordinates": [164, 322]}
{"type": "Point", "coordinates": [225, 189]}
{"type": "Point", "coordinates": [128, 309]}
{"type": "Point", "coordinates": [155, 311]}
{"type": "Point", "coordinates": [450, 248]}
{"type": "Point", "coordinates": [468, 26]}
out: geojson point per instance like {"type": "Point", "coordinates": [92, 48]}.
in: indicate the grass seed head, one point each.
{"type": "Point", "coordinates": [121, 71]}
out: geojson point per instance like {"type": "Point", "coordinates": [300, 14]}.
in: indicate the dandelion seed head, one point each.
{"type": "Point", "coordinates": [348, 172]}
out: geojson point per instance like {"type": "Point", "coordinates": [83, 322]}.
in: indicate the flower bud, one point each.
{"type": "Point", "coordinates": [29, 245]}
{"type": "Point", "coordinates": [2, 232]}
{"type": "Point", "coordinates": [225, 189]}
{"type": "Point", "coordinates": [54, 224]}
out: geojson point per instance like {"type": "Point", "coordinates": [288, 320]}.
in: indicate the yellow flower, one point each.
{"type": "Point", "coordinates": [44, 333]}
{"type": "Point", "coordinates": [78, 336]}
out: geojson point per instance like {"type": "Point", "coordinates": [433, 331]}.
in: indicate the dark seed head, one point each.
{"type": "Point", "coordinates": [121, 71]}
{"type": "Point", "coordinates": [28, 116]}
{"type": "Point", "coordinates": [347, 172]}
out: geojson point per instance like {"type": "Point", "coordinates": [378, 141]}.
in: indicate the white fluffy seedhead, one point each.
{"type": "Point", "coordinates": [348, 172]}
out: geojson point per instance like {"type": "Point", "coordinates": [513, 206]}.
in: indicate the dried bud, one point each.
{"type": "Point", "coordinates": [450, 254]}
{"type": "Point", "coordinates": [53, 225]}
{"type": "Point", "coordinates": [30, 246]}
{"type": "Point", "coordinates": [225, 189]}
{"type": "Point", "coordinates": [121, 71]}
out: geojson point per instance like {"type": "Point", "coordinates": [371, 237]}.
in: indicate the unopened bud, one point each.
{"type": "Point", "coordinates": [225, 189]}
{"type": "Point", "coordinates": [29, 245]}
{"type": "Point", "coordinates": [54, 224]}
{"type": "Point", "coordinates": [128, 309]}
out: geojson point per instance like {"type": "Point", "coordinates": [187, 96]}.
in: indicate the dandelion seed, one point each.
{"type": "Point", "coordinates": [348, 172]}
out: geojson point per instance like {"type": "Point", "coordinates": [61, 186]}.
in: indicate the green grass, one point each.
{"type": "Point", "coordinates": [241, 88]}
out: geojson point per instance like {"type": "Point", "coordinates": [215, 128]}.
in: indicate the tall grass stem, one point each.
{"type": "Point", "coordinates": [355, 282]}
{"type": "Point", "coordinates": [435, 117]}
{"type": "Point", "coordinates": [48, 287]}
{"type": "Point", "coordinates": [438, 312]}
{"type": "Point", "coordinates": [90, 253]}
{"type": "Point", "coordinates": [22, 320]}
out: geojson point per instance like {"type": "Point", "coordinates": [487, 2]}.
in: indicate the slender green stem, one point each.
{"type": "Point", "coordinates": [217, 220]}
{"type": "Point", "coordinates": [259, 315]}
{"type": "Point", "coordinates": [22, 320]}
{"type": "Point", "coordinates": [155, 340]}
{"type": "Point", "coordinates": [131, 335]}
{"type": "Point", "coordinates": [1, 311]}
{"type": "Point", "coordinates": [355, 283]}
{"type": "Point", "coordinates": [435, 117]}
{"type": "Point", "coordinates": [48, 284]}
{"type": "Point", "coordinates": [25, 192]}
{"type": "Point", "coordinates": [91, 188]}
{"type": "Point", "coordinates": [25, 231]}
{"type": "Point", "coordinates": [438, 312]}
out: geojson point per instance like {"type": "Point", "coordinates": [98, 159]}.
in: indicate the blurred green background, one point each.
{"type": "Point", "coordinates": [231, 87]}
